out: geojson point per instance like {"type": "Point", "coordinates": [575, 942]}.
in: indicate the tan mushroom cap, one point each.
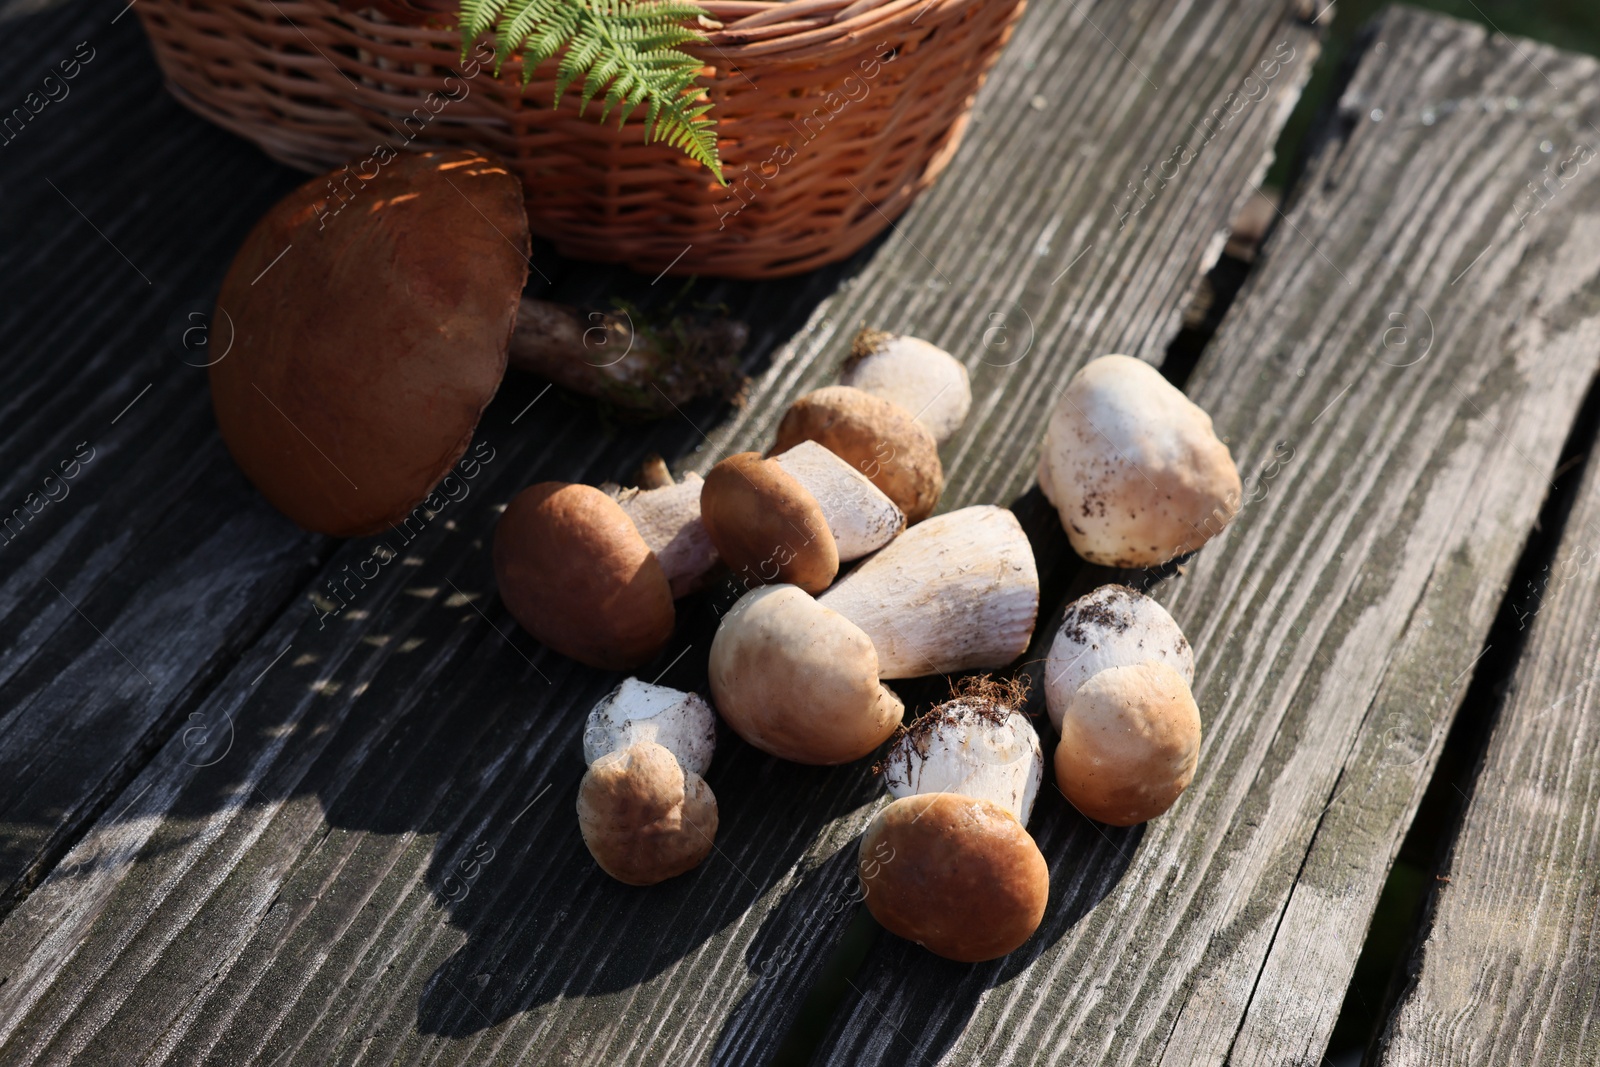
{"type": "Point", "coordinates": [643, 817]}
{"type": "Point", "coordinates": [798, 680]}
{"type": "Point", "coordinates": [366, 343]}
{"type": "Point", "coordinates": [957, 875]}
{"type": "Point", "coordinates": [766, 526]}
{"type": "Point", "coordinates": [575, 574]}
{"type": "Point", "coordinates": [881, 439]}
{"type": "Point", "coordinates": [1130, 739]}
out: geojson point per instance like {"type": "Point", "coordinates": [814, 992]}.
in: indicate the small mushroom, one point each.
{"type": "Point", "coordinates": [956, 874]}
{"type": "Point", "coordinates": [575, 573]}
{"type": "Point", "coordinates": [957, 592]}
{"type": "Point", "coordinates": [793, 518]}
{"type": "Point", "coordinates": [798, 680]}
{"type": "Point", "coordinates": [922, 378]}
{"type": "Point", "coordinates": [644, 810]}
{"type": "Point", "coordinates": [878, 437]}
{"type": "Point", "coordinates": [1134, 468]}
{"type": "Point", "coordinates": [977, 744]}
{"type": "Point", "coordinates": [1130, 739]}
{"type": "Point", "coordinates": [1114, 626]}
{"type": "Point", "coordinates": [365, 347]}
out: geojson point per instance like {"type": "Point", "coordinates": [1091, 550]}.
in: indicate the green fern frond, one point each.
{"type": "Point", "coordinates": [625, 53]}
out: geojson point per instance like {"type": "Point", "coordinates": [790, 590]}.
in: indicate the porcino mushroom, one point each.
{"type": "Point", "coordinates": [877, 437]}
{"type": "Point", "coordinates": [795, 517]}
{"type": "Point", "coordinates": [954, 593]}
{"type": "Point", "coordinates": [948, 864]}
{"type": "Point", "coordinates": [922, 378]}
{"type": "Point", "coordinates": [1130, 739]}
{"type": "Point", "coordinates": [1114, 626]}
{"type": "Point", "coordinates": [574, 572]}
{"type": "Point", "coordinates": [1134, 467]}
{"type": "Point", "coordinates": [667, 516]}
{"type": "Point", "coordinates": [798, 680]}
{"type": "Point", "coordinates": [365, 347]}
{"type": "Point", "coordinates": [644, 810]}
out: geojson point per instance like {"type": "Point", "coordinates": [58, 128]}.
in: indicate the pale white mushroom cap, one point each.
{"type": "Point", "coordinates": [668, 519]}
{"type": "Point", "coordinates": [1114, 626]}
{"type": "Point", "coordinates": [860, 517]}
{"type": "Point", "coordinates": [635, 711]}
{"type": "Point", "coordinates": [972, 746]}
{"type": "Point", "coordinates": [1134, 467]}
{"type": "Point", "coordinates": [955, 592]}
{"type": "Point", "coordinates": [930, 383]}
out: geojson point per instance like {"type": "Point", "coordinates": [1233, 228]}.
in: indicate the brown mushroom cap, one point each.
{"type": "Point", "coordinates": [643, 817]}
{"type": "Point", "coordinates": [879, 438]}
{"type": "Point", "coordinates": [1130, 739]}
{"type": "Point", "coordinates": [575, 573]}
{"type": "Point", "coordinates": [798, 680]}
{"type": "Point", "coordinates": [367, 343]}
{"type": "Point", "coordinates": [767, 527]}
{"type": "Point", "coordinates": [957, 875]}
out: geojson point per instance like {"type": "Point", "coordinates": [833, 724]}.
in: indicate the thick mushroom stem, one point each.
{"type": "Point", "coordinates": [1114, 626]}
{"type": "Point", "coordinates": [607, 355]}
{"type": "Point", "coordinates": [978, 745]}
{"type": "Point", "coordinates": [860, 517]}
{"type": "Point", "coordinates": [635, 711]}
{"type": "Point", "coordinates": [956, 592]}
{"type": "Point", "coordinates": [922, 378]}
{"type": "Point", "coordinates": [668, 518]}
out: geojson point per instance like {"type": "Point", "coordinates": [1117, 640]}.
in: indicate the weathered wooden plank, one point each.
{"type": "Point", "coordinates": [1509, 972]}
{"type": "Point", "coordinates": [135, 563]}
{"type": "Point", "coordinates": [1397, 379]}
{"type": "Point", "coordinates": [324, 891]}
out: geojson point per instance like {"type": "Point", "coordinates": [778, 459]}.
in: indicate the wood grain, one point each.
{"type": "Point", "coordinates": [383, 866]}
{"type": "Point", "coordinates": [1397, 464]}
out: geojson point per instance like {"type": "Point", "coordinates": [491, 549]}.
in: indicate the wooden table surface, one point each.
{"type": "Point", "coordinates": [232, 831]}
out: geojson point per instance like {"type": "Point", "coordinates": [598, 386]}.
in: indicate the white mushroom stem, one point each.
{"type": "Point", "coordinates": [955, 592]}
{"type": "Point", "coordinates": [974, 746]}
{"type": "Point", "coordinates": [1114, 626]}
{"type": "Point", "coordinates": [668, 519]}
{"type": "Point", "coordinates": [635, 712]}
{"type": "Point", "coordinates": [927, 381]}
{"type": "Point", "coordinates": [859, 516]}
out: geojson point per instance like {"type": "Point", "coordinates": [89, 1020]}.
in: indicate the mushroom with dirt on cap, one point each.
{"type": "Point", "coordinates": [1134, 467]}
{"type": "Point", "coordinates": [921, 378]}
{"type": "Point", "coordinates": [1117, 686]}
{"type": "Point", "coordinates": [948, 864]}
{"type": "Point", "coordinates": [644, 809]}
{"type": "Point", "coordinates": [800, 677]}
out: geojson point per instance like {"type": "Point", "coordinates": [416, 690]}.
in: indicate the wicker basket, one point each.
{"type": "Point", "coordinates": [832, 115]}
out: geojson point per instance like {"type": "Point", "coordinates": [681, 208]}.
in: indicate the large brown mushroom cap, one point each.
{"type": "Point", "coordinates": [798, 680]}
{"type": "Point", "coordinates": [575, 573]}
{"type": "Point", "coordinates": [767, 527]}
{"type": "Point", "coordinates": [368, 338]}
{"type": "Point", "coordinates": [879, 438]}
{"type": "Point", "coordinates": [957, 875]}
{"type": "Point", "coordinates": [1130, 739]}
{"type": "Point", "coordinates": [643, 817]}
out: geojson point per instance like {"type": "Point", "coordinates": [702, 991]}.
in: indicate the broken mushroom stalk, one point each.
{"type": "Point", "coordinates": [948, 864]}
{"type": "Point", "coordinates": [921, 378]}
{"type": "Point", "coordinates": [794, 518]}
{"type": "Point", "coordinates": [644, 809]}
{"type": "Point", "coordinates": [1117, 687]}
{"type": "Point", "coordinates": [644, 367]}
{"type": "Point", "coordinates": [1134, 467]}
{"type": "Point", "coordinates": [800, 677]}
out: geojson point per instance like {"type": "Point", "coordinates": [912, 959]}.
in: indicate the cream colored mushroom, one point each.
{"type": "Point", "coordinates": [922, 378]}
{"type": "Point", "coordinates": [1114, 626]}
{"type": "Point", "coordinates": [956, 592]}
{"type": "Point", "coordinates": [1134, 468]}
{"type": "Point", "coordinates": [860, 517]}
{"type": "Point", "coordinates": [644, 810]}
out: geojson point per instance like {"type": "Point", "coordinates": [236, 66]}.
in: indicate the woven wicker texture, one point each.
{"type": "Point", "coordinates": [832, 115]}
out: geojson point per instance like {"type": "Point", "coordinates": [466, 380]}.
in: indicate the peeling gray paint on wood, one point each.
{"type": "Point", "coordinates": [1335, 625]}
{"type": "Point", "coordinates": [383, 866]}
